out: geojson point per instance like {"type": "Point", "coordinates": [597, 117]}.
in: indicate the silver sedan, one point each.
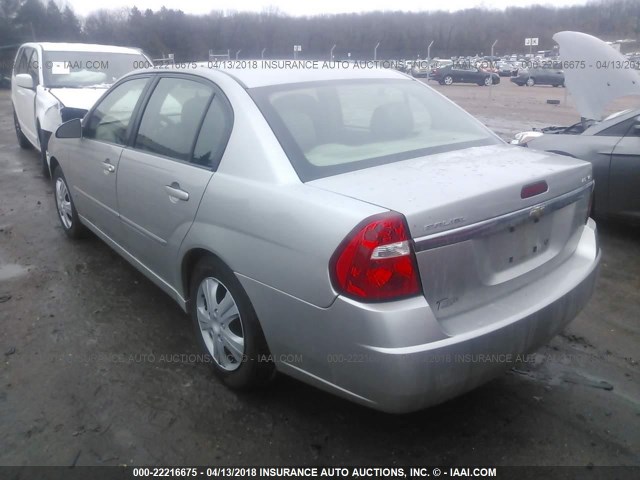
{"type": "Point", "coordinates": [353, 229]}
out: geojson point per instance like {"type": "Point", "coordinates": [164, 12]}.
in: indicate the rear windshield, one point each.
{"type": "Point", "coordinates": [332, 127]}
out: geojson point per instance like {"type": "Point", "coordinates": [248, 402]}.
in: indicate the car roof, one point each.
{"type": "Point", "coordinates": [262, 76]}
{"type": "Point", "coordinates": [253, 78]}
{"type": "Point", "coordinates": [82, 47]}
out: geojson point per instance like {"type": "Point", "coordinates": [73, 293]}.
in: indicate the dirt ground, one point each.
{"type": "Point", "coordinates": [78, 384]}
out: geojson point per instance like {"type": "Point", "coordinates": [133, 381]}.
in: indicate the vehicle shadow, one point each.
{"type": "Point", "coordinates": [445, 434]}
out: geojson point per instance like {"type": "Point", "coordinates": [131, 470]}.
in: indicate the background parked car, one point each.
{"type": "Point", "coordinates": [420, 68]}
{"type": "Point", "coordinates": [505, 69]}
{"type": "Point", "coordinates": [451, 74]}
{"type": "Point", "coordinates": [438, 63]}
{"type": "Point", "coordinates": [516, 66]}
{"type": "Point", "coordinates": [54, 82]}
{"type": "Point", "coordinates": [488, 66]}
{"type": "Point", "coordinates": [539, 76]}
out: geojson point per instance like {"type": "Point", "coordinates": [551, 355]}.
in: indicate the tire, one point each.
{"type": "Point", "coordinates": [65, 207]}
{"type": "Point", "coordinates": [530, 82]}
{"type": "Point", "coordinates": [441, 82]}
{"type": "Point", "coordinates": [488, 81]}
{"type": "Point", "coordinates": [243, 361]}
{"type": "Point", "coordinates": [44, 143]}
{"type": "Point", "coordinates": [448, 80]}
{"type": "Point", "coordinates": [23, 141]}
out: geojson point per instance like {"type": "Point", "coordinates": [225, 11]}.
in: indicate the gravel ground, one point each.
{"type": "Point", "coordinates": [78, 384]}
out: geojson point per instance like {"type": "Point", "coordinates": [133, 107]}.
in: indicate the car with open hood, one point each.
{"type": "Point", "coordinates": [351, 228]}
{"type": "Point", "coordinates": [610, 144]}
{"type": "Point", "coordinates": [55, 82]}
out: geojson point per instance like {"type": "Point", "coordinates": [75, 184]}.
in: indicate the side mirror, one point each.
{"type": "Point", "coordinates": [70, 129]}
{"type": "Point", "coordinates": [24, 80]}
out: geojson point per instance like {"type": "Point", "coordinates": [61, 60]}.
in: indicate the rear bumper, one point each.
{"type": "Point", "coordinates": [398, 358]}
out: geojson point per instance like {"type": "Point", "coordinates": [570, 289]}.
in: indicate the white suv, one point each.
{"type": "Point", "coordinates": [55, 82]}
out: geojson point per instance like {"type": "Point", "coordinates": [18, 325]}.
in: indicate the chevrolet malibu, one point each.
{"type": "Point", "coordinates": [353, 229]}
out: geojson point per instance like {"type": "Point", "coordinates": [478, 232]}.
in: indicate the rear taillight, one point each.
{"type": "Point", "coordinates": [375, 262]}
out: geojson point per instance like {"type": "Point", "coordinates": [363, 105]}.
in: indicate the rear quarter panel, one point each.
{"type": "Point", "coordinates": [280, 235]}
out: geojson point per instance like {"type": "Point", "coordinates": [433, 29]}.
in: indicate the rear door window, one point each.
{"type": "Point", "coordinates": [214, 133]}
{"type": "Point", "coordinates": [172, 117]}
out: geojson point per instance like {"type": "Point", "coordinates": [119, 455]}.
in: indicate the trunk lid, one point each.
{"type": "Point", "coordinates": [475, 238]}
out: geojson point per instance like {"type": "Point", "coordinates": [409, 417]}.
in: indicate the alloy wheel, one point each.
{"type": "Point", "coordinates": [63, 202]}
{"type": "Point", "coordinates": [220, 324]}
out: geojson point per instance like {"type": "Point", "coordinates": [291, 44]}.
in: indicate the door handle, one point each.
{"type": "Point", "coordinates": [175, 192]}
{"type": "Point", "coordinates": [108, 168]}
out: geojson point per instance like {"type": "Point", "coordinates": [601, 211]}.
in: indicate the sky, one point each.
{"type": "Point", "coordinates": [307, 7]}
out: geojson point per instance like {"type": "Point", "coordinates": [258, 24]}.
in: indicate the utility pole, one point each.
{"type": "Point", "coordinates": [262, 53]}
{"type": "Point", "coordinates": [375, 52]}
{"type": "Point", "coordinates": [238, 53]}
{"type": "Point", "coordinates": [331, 54]}
{"type": "Point", "coordinates": [429, 51]}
